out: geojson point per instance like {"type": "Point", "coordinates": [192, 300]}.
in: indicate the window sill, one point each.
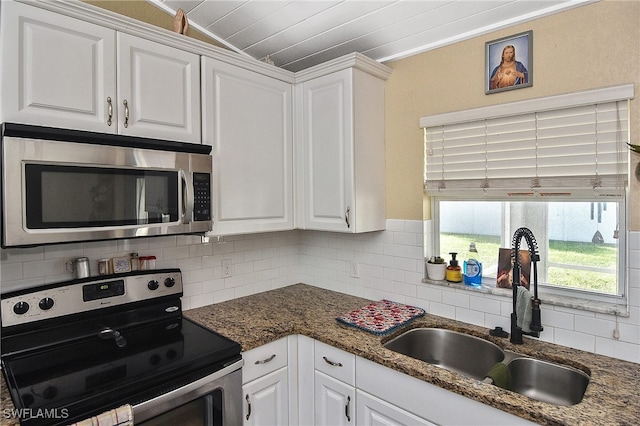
{"type": "Point", "coordinates": [549, 299]}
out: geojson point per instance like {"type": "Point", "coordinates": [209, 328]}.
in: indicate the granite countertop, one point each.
{"type": "Point", "coordinates": [611, 397]}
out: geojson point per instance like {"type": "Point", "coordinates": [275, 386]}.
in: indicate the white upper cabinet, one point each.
{"type": "Point", "coordinates": [56, 71]}
{"type": "Point", "coordinates": [341, 156]}
{"type": "Point", "coordinates": [158, 90]}
{"type": "Point", "coordinates": [60, 71]}
{"type": "Point", "coordinates": [248, 120]}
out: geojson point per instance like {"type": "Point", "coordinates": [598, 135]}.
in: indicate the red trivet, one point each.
{"type": "Point", "coordinates": [381, 317]}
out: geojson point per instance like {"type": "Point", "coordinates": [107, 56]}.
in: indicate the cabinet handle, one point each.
{"type": "Point", "coordinates": [264, 361]}
{"type": "Point", "coordinates": [248, 407]}
{"type": "Point", "coordinates": [328, 361]}
{"type": "Point", "coordinates": [126, 113]}
{"type": "Point", "coordinates": [109, 111]}
{"type": "Point", "coordinates": [346, 217]}
{"type": "Point", "coordinates": [346, 409]}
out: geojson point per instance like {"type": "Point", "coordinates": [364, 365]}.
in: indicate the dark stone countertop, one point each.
{"type": "Point", "coordinates": [611, 397]}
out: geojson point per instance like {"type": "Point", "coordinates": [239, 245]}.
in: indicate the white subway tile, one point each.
{"type": "Point", "coordinates": [483, 304]}
{"type": "Point", "coordinates": [442, 309]}
{"type": "Point", "coordinates": [596, 327]}
{"type": "Point", "coordinates": [455, 299]}
{"type": "Point", "coordinates": [617, 349]}
{"type": "Point", "coordinates": [395, 225]}
{"type": "Point", "coordinates": [470, 316]}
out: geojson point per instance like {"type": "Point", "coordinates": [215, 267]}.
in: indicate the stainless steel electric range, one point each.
{"type": "Point", "coordinates": [75, 349]}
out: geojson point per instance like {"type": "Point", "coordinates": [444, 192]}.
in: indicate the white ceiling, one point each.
{"type": "Point", "coordinates": [297, 34]}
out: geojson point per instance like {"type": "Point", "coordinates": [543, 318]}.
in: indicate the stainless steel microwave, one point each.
{"type": "Point", "coordinates": [62, 185]}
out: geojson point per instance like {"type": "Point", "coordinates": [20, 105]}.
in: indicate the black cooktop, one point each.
{"type": "Point", "coordinates": [92, 375]}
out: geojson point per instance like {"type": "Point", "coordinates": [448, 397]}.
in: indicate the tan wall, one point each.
{"type": "Point", "coordinates": [592, 46]}
{"type": "Point", "coordinates": [146, 12]}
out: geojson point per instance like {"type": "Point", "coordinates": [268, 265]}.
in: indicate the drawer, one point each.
{"type": "Point", "coordinates": [264, 360]}
{"type": "Point", "coordinates": [335, 362]}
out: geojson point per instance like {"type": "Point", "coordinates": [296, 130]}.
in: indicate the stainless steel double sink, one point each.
{"type": "Point", "coordinates": [474, 357]}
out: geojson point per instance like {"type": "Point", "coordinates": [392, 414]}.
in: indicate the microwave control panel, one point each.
{"type": "Point", "coordinates": [201, 196]}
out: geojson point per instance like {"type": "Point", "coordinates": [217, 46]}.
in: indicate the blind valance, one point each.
{"type": "Point", "coordinates": [569, 151]}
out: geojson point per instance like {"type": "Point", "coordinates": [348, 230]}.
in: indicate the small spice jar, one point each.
{"type": "Point", "coordinates": [147, 262]}
{"type": "Point", "coordinates": [135, 262]}
{"type": "Point", "coordinates": [104, 266]}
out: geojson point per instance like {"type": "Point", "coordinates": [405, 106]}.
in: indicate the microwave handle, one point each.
{"type": "Point", "coordinates": [187, 198]}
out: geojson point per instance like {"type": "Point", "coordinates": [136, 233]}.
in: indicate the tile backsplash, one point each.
{"type": "Point", "coordinates": [388, 264]}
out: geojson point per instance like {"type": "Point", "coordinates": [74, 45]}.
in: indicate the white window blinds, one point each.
{"type": "Point", "coordinates": [570, 151]}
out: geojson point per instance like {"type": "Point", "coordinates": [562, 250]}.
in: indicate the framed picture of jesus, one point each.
{"type": "Point", "coordinates": [509, 63]}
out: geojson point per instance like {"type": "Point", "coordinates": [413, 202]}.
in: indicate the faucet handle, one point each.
{"type": "Point", "coordinates": [536, 321]}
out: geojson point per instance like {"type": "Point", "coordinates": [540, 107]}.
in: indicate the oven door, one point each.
{"type": "Point", "coordinates": [214, 400]}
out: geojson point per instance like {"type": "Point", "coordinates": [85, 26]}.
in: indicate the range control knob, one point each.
{"type": "Point", "coordinates": [46, 303]}
{"type": "Point", "coordinates": [169, 282]}
{"type": "Point", "coordinates": [153, 285]}
{"type": "Point", "coordinates": [21, 308]}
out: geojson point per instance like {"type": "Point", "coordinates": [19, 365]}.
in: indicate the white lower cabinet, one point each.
{"type": "Point", "coordinates": [266, 400]}
{"type": "Point", "coordinates": [334, 402]}
{"type": "Point", "coordinates": [426, 401]}
{"type": "Point", "coordinates": [372, 411]}
{"type": "Point", "coordinates": [301, 381]}
{"type": "Point", "coordinates": [265, 384]}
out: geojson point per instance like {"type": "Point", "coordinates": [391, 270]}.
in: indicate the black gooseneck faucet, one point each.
{"type": "Point", "coordinates": [536, 324]}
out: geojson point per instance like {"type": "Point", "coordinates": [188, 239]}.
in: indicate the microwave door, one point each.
{"type": "Point", "coordinates": [55, 192]}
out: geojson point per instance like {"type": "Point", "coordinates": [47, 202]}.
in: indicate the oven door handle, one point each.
{"type": "Point", "coordinates": [162, 403]}
{"type": "Point", "coordinates": [187, 198]}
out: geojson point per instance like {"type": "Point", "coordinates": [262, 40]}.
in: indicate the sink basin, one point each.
{"type": "Point", "coordinates": [454, 351]}
{"type": "Point", "coordinates": [547, 382]}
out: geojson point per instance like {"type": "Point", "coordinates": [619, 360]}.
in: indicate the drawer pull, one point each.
{"type": "Point", "coordinates": [126, 113]}
{"type": "Point", "coordinates": [346, 409]}
{"type": "Point", "coordinates": [328, 361]}
{"type": "Point", "coordinates": [109, 111]}
{"type": "Point", "coordinates": [264, 361]}
{"type": "Point", "coordinates": [248, 407]}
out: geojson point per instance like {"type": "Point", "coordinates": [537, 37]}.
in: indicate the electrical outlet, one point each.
{"type": "Point", "coordinates": [355, 269]}
{"type": "Point", "coordinates": [227, 268]}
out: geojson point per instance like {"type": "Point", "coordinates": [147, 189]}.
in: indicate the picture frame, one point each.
{"type": "Point", "coordinates": [504, 277]}
{"type": "Point", "coordinates": [517, 73]}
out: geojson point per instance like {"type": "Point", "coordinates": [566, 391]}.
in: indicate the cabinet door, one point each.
{"type": "Point", "coordinates": [372, 411]}
{"type": "Point", "coordinates": [247, 119]}
{"type": "Point", "coordinates": [327, 138]}
{"type": "Point", "coordinates": [266, 400]}
{"type": "Point", "coordinates": [56, 71]}
{"type": "Point", "coordinates": [335, 402]}
{"type": "Point", "coordinates": [158, 90]}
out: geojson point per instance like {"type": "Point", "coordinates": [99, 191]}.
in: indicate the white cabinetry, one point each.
{"type": "Point", "coordinates": [248, 121]}
{"type": "Point", "coordinates": [60, 71]}
{"type": "Point", "coordinates": [56, 71]}
{"type": "Point", "coordinates": [265, 385]}
{"type": "Point", "coordinates": [335, 393]}
{"type": "Point", "coordinates": [158, 90]}
{"type": "Point", "coordinates": [327, 386]}
{"type": "Point", "coordinates": [422, 399]}
{"type": "Point", "coordinates": [372, 411]}
{"type": "Point", "coordinates": [341, 160]}
{"type": "Point", "coordinates": [335, 402]}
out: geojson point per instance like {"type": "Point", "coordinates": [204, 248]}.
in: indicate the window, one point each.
{"type": "Point", "coordinates": [557, 166]}
{"type": "Point", "coordinates": [578, 241]}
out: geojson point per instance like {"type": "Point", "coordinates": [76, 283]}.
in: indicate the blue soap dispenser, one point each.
{"type": "Point", "coordinates": [472, 267]}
